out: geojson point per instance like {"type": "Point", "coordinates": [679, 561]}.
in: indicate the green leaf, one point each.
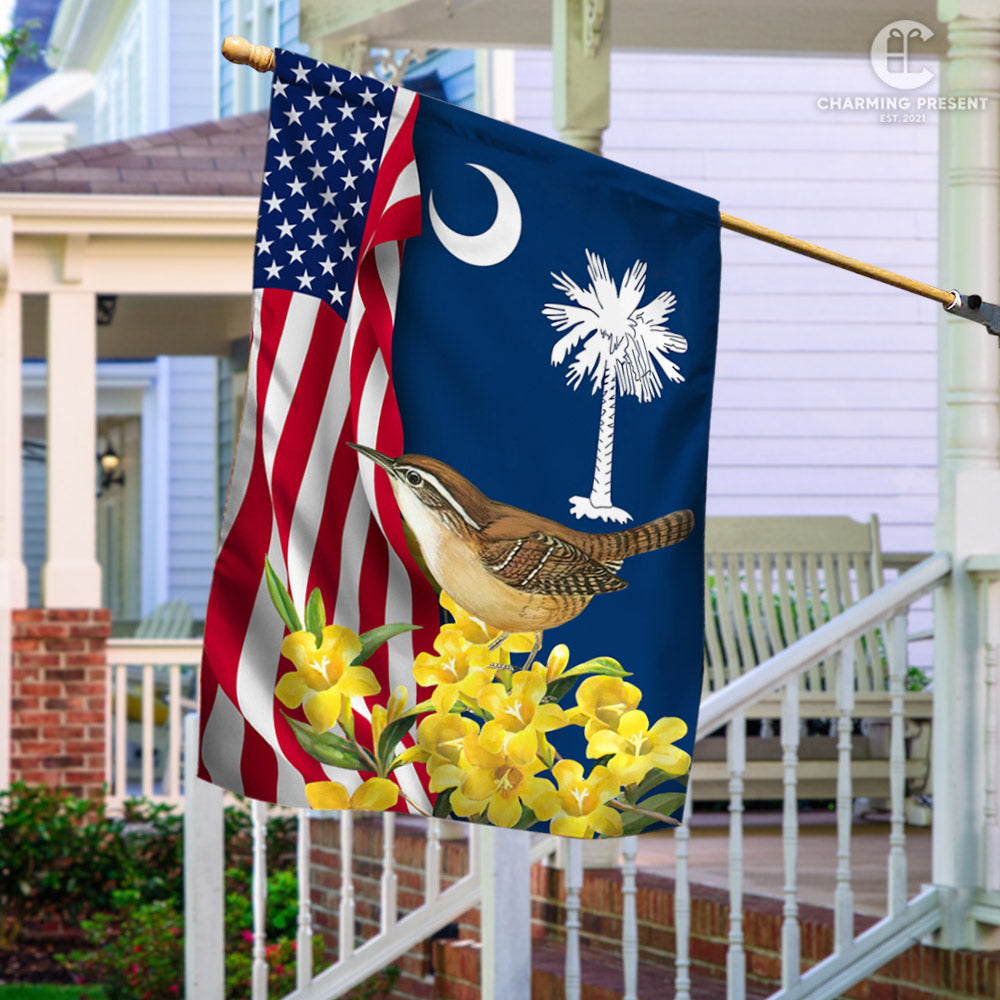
{"type": "Point", "coordinates": [390, 737]}
{"type": "Point", "coordinates": [666, 803]}
{"type": "Point", "coordinates": [282, 599]}
{"type": "Point", "coordinates": [316, 615]}
{"type": "Point", "coordinates": [559, 688]}
{"type": "Point", "coordinates": [635, 823]}
{"type": "Point", "coordinates": [654, 777]}
{"type": "Point", "coordinates": [372, 639]}
{"type": "Point", "coordinates": [599, 665]}
{"type": "Point", "coordinates": [328, 748]}
{"type": "Point", "coordinates": [442, 805]}
{"type": "Point", "coordinates": [527, 820]}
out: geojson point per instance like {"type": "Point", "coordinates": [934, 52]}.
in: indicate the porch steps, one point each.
{"type": "Point", "coordinates": [600, 974]}
{"type": "Point", "coordinates": [449, 967]}
{"type": "Point", "coordinates": [921, 973]}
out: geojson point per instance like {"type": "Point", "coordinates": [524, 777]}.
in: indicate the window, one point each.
{"type": "Point", "coordinates": [264, 22]}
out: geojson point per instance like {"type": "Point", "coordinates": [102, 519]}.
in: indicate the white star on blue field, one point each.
{"type": "Point", "coordinates": [325, 139]}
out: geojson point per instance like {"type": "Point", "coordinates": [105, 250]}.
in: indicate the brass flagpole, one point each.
{"type": "Point", "coordinates": [239, 50]}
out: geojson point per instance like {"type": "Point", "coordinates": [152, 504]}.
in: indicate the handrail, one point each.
{"type": "Point", "coordinates": [159, 652]}
{"type": "Point", "coordinates": [721, 706]}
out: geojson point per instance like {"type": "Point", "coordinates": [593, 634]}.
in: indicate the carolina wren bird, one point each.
{"type": "Point", "coordinates": [512, 569]}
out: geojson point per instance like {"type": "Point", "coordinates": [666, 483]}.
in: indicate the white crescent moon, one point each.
{"type": "Point", "coordinates": [495, 244]}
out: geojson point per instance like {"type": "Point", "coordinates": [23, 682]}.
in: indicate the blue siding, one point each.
{"type": "Point", "coordinates": [191, 67]}
{"type": "Point", "coordinates": [448, 74]}
{"type": "Point", "coordinates": [227, 71]}
{"type": "Point", "coordinates": [192, 511]}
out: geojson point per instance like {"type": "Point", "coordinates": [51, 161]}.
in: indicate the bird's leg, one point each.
{"type": "Point", "coordinates": [498, 641]}
{"type": "Point", "coordinates": [535, 650]}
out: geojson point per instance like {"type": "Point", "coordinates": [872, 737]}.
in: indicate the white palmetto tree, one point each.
{"type": "Point", "coordinates": [621, 346]}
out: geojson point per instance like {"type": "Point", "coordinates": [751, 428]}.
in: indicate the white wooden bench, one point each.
{"type": "Point", "coordinates": [769, 581]}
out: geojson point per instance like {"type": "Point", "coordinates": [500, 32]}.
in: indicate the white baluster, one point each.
{"type": "Point", "coordinates": [172, 782]}
{"type": "Point", "coordinates": [121, 730]}
{"type": "Point", "coordinates": [346, 885]}
{"type": "Point", "coordinates": [148, 690]}
{"type": "Point", "coordinates": [991, 816]}
{"type": "Point", "coordinates": [682, 905]}
{"type": "Point", "coordinates": [791, 956]}
{"type": "Point", "coordinates": [304, 929]}
{"type": "Point", "coordinates": [736, 755]}
{"type": "Point", "coordinates": [258, 829]}
{"type": "Point", "coordinates": [389, 886]}
{"type": "Point", "coordinates": [630, 924]}
{"type": "Point", "coordinates": [574, 883]}
{"type": "Point", "coordinates": [432, 859]}
{"type": "Point", "coordinates": [897, 766]}
{"type": "Point", "coordinates": [843, 932]}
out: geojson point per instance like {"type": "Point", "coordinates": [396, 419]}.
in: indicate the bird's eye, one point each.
{"type": "Point", "coordinates": [414, 478]}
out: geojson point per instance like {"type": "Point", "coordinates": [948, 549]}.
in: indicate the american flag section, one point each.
{"type": "Point", "coordinates": [340, 194]}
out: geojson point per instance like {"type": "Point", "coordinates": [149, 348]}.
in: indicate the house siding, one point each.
{"type": "Point", "coordinates": [826, 384]}
{"type": "Point", "coordinates": [192, 57]}
{"type": "Point", "coordinates": [192, 485]}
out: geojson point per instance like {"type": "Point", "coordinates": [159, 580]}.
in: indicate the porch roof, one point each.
{"type": "Point", "coordinates": [223, 157]}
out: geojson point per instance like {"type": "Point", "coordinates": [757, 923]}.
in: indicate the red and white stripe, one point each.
{"type": "Point", "coordinates": [298, 497]}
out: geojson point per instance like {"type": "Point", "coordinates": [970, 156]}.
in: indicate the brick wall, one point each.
{"type": "Point", "coordinates": [58, 672]}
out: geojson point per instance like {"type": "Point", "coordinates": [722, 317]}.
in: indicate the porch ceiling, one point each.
{"type": "Point", "coordinates": [145, 326]}
{"type": "Point", "coordinates": [848, 26]}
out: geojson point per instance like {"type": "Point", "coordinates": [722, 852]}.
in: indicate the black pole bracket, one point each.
{"type": "Point", "coordinates": [973, 307]}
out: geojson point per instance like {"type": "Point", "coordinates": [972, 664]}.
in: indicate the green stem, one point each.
{"type": "Point", "coordinates": [626, 807]}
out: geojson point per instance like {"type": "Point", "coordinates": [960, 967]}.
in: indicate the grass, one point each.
{"type": "Point", "coordinates": [23, 991]}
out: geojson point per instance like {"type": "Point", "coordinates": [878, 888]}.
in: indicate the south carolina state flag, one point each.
{"type": "Point", "coordinates": [433, 283]}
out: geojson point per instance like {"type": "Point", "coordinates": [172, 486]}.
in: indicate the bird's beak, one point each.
{"type": "Point", "coordinates": [376, 456]}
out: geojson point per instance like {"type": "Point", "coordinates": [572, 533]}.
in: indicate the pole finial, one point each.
{"type": "Point", "coordinates": [238, 50]}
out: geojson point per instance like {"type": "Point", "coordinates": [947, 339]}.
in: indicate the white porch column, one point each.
{"type": "Point", "coordinates": [969, 451]}
{"type": "Point", "coordinates": [71, 576]}
{"type": "Point", "coordinates": [581, 71]}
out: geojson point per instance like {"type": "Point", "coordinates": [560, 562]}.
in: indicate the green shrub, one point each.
{"type": "Point", "coordinates": [59, 856]}
{"type": "Point", "coordinates": [137, 958]}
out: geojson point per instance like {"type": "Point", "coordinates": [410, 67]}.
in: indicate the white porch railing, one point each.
{"type": "Point", "coordinates": [151, 686]}
{"type": "Point", "coordinates": [906, 922]}
{"type": "Point", "coordinates": [852, 959]}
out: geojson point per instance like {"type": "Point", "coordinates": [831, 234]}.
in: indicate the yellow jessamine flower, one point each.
{"type": "Point", "coordinates": [383, 715]}
{"type": "Point", "coordinates": [476, 631]}
{"type": "Point", "coordinates": [375, 794]}
{"type": "Point", "coordinates": [441, 738]}
{"type": "Point", "coordinates": [519, 717]}
{"type": "Point", "coordinates": [582, 801]}
{"type": "Point", "coordinates": [557, 663]}
{"type": "Point", "coordinates": [460, 668]}
{"type": "Point", "coordinates": [323, 676]}
{"type": "Point", "coordinates": [638, 747]}
{"type": "Point", "coordinates": [601, 702]}
{"type": "Point", "coordinates": [499, 784]}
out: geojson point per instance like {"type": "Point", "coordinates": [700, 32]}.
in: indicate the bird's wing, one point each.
{"type": "Point", "coordinates": [541, 563]}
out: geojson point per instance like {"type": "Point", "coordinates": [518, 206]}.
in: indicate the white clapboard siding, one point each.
{"type": "Point", "coordinates": [192, 480]}
{"type": "Point", "coordinates": [825, 393]}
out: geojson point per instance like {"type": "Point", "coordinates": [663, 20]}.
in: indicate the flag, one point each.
{"type": "Point", "coordinates": [429, 281]}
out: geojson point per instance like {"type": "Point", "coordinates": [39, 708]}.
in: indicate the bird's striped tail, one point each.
{"type": "Point", "coordinates": [667, 530]}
